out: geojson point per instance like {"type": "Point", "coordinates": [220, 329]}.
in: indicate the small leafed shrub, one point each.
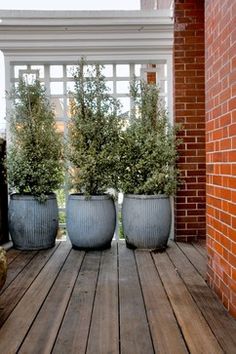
{"type": "Point", "coordinates": [148, 145]}
{"type": "Point", "coordinates": [34, 158]}
{"type": "Point", "coordinates": [93, 133]}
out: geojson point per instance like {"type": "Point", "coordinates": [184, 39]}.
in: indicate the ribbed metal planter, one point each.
{"type": "Point", "coordinates": [33, 225]}
{"type": "Point", "coordinates": [91, 222]}
{"type": "Point", "coordinates": [146, 221]}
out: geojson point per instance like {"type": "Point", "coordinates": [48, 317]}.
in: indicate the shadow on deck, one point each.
{"type": "Point", "coordinates": [116, 301]}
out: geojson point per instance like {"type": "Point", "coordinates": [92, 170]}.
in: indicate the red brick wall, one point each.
{"type": "Point", "coordinates": [189, 109]}
{"type": "Point", "coordinates": [221, 148]}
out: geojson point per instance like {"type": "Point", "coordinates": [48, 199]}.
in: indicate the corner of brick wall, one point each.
{"type": "Point", "coordinates": [220, 26]}
{"type": "Point", "coordinates": [189, 110]}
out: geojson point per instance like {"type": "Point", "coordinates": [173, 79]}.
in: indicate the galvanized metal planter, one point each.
{"type": "Point", "coordinates": [146, 221]}
{"type": "Point", "coordinates": [33, 225]}
{"type": "Point", "coordinates": [91, 222]}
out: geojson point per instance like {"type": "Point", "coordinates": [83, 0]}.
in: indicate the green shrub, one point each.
{"type": "Point", "coordinates": [149, 145]}
{"type": "Point", "coordinates": [34, 158]}
{"type": "Point", "coordinates": [93, 133]}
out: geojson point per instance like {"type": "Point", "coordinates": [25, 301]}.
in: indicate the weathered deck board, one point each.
{"type": "Point", "coordinates": [13, 293]}
{"type": "Point", "coordinates": [104, 330]}
{"type": "Point", "coordinates": [24, 313]}
{"type": "Point", "coordinates": [12, 254]}
{"type": "Point", "coordinates": [201, 247]}
{"type": "Point", "coordinates": [64, 301]}
{"type": "Point", "coordinates": [79, 311]}
{"type": "Point", "coordinates": [197, 333]}
{"type": "Point", "coordinates": [134, 331]}
{"type": "Point", "coordinates": [42, 334]}
{"type": "Point", "coordinates": [159, 311]}
{"type": "Point", "coordinates": [193, 255]}
{"type": "Point", "coordinates": [220, 322]}
{"type": "Point", "coordinates": [17, 265]}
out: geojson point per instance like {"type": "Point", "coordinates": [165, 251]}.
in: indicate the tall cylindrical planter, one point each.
{"type": "Point", "coordinates": [91, 221]}
{"type": "Point", "coordinates": [33, 225]}
{"type": "Point", "coordinates": [146, 221]}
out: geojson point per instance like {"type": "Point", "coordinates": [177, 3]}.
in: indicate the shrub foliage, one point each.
{"type": "Point", "coordinates": [148, 145]}
{"type": "Point", "coordinates": [34, 158]}
{"type": "Point", "coordinates": [93, 132]}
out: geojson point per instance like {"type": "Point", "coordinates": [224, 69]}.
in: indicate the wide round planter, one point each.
{"type": "Point", "coordinates": [91, 221]}
{"type": "Point", "coordinates": [33, 225]}
{"type": "Point", "coordinates": [146, 221]}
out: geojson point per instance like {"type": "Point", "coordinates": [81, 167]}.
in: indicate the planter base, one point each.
{"type": "Point", "coordinates": [155, 250]}
{"type": "Point", "coordinates": [100, 248]}
{"type": "Point", "coordinates": [25, 248]}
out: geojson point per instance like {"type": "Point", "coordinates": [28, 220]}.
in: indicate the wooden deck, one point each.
{"type": "Point", "coordinates": [117, 301]}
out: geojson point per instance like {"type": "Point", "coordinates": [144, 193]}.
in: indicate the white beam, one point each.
{"type": "Point", "coordinates": [76, 33]}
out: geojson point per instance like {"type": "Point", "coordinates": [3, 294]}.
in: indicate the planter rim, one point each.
{"type": "Point", "coordinates": [78, 196]}
{"type": "Point", "coordinates": [30, 196]}
{"type": "Point", "coordinates": [146, 196]}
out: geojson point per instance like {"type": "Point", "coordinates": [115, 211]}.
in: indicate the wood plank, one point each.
{"type": "Point", "coordinates": [12, 295]}
{"type": "Point", "coordinates": [17, 265]}
{"type": "Point", "coordinates": [221, 323]}
{"type": "Point", "coordinates": [166, 335]}
{"type": "Point", "coordinates": [195, 329]}
{"type": "Point", "coordinates": [195, 257]}
{"type": "Point", "coordinates": [73, 334]}
{"type": "Point", "coordinates": [134, 331]}
{"type": "Point", "coordinates": [20, 320]}
{"type": "Point", "coordinates": [12, 254]}
{"type": "Point", "coordinates": [43, 332]}
{"type": "Point", "coordinates": [104, 330]}
{"type": "Point", "coordinates": [201, 248]}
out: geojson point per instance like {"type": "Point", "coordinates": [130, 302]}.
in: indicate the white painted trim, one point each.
{"type": "Point", "coordinates": [171, 112]}
{"type": "Point", "coordinates": [61, 17]}
{"type": "Point", "coordinates": [170, 86]}
{"type": "Point", "coordinates": [71, 58]}
{"type": "Point", "coordinates": [8, 76]}
{"type": "Point", "coordinates": [95, 34]}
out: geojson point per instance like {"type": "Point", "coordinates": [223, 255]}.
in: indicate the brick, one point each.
{"type": "Point", "coordinates": [220, 142]}
{"type": "Point", "coordinates": [220, 20]}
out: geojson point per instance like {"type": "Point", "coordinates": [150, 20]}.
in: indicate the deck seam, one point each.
{"type": "Point", "coordinates": [163, 286]}
{"type": "Point", "coordinates": [29, 284]}
{"type": "Point", "coordinates": [145, 309]}
{"type": "Point", "coordinates": [59, 271]}
{"type": "Point", "coordinates": [94, 297]}
{"type": "Point", "coordinates": [13, 259]}
{"type": "Point", "coordinates": [59, 328]}
{"type": "Point", "coordinates": [204, 255]}
{"type": "Point", "coordinates": [204, 260]}
{"type": "Point", "coordinates": [196, 302]}
{"type": "Point", "coordinates": [31, 259]}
